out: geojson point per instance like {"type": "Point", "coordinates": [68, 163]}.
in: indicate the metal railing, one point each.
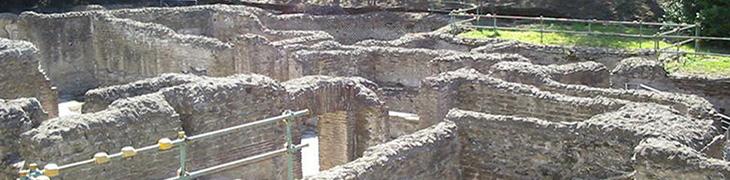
{"type": "Point", "coordinates": [683, 33]}
{"type": "Point", "coordinates": [164, 144]}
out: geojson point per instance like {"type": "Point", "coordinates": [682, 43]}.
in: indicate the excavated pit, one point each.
{"type": "Point", "coordinates": [392, 95]}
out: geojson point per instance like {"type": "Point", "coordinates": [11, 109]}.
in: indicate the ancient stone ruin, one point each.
{"type": "Point", "coordinates": [391, 94]}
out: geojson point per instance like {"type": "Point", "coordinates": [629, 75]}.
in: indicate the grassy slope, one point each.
{"type": "Point", "coordinates": [712, 65]}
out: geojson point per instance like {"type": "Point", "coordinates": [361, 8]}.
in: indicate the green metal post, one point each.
{"type": "Point", "coordinates": [183, 155]}
{"type": "Point", "coordinates": [542, 29]}
{"type": "Point", "coordinates": [289, 145]}
{"type": "Point", "coordinates": [656, 45]}
{"type": "Point", "coordinates": [494, 22]}
{"type": "Point", "coordinates": [697, 40]}
{"type": "Point", "coordinates": [641, 30]}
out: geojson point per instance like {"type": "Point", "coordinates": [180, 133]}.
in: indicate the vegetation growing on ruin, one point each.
{"type": "Point", "coordinates": [691, 64]}
{"type": "Point", "coordinates": [575, 39]}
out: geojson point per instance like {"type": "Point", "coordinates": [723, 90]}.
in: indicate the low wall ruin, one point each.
{"type": "Point", "coordinates": [22, 76]}
{"type": "Point", "coordinates": [431, 153]}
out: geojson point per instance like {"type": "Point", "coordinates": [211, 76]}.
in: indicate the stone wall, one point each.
{"type": "Point", "coordinates": [548, 54]}
{"type": "Point", "coordinates": [431, 153]}
{"type": "Point", "coordinates": [712, 88]}
{"type": "Point", "coordinates": [470, 90]}
{"type": "Point", "coordinates": [128, 123]}
{"type": "Point", "coordinates": [351, 29]}
{"type": "Point", "coordinates": [631, 72]}
{"type": "Point", "coordinates": [17, 116]}
{"type": "Point", "coordinates": [8, 25]}
{"type": "Point", "coordinates": [685, 162]}
{"type": "Point", "coordinates": [498, 146]}
{"type": "Point", "coordinates": [65, 44]}
{"type": "Point", "coordinates": [98, 99]}
{"type": "Point", "coordinates": [22, 77]}
{"type": "Point", "coordinates": [197, 107]}
{"type": "Point", "coordinates": [351, 117]}
{"type": "Point", "coordinates": [123, 57]}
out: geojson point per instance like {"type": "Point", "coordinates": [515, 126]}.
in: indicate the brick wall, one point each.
{"type": "Point", "coordinates": [471, 90]}
{"type": "Point", "coordinates": [508, 147]}
{"type": "Point", "coordinates": [430, 153]}
{"type": "Point", "coordinates": [22, 77]}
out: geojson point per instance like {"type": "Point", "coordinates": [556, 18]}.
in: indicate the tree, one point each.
{"type": "Point", "coordinates": [713, 15]}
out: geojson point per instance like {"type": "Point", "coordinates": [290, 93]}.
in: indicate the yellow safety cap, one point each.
{"type": "Point", "coordinates": [101, 158]}
{"type": "Point", "coordinates": [181, 134]}
{"type": "Point", "coordinates": [165, 144]}
{"type": "Point", "coordinates": [33, 166]}
{"type": "Point", "coordinates": [128, 152]}
{"type": "Point", "coordinates": [51, 170]}
{"type": "Point", "coordinates": [22, 173]}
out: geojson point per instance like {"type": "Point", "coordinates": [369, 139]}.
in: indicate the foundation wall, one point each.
{"type": "Point", "coordinates": [354, 28]}
{"type": "Point", "coordinates": [351, 117]}
{"type": "Point", "coordinates": [431, 153]}
{"type": "Point", "coordinates": [22, 77]}
{"type": "Point", "coordinates": [98, 99]}
{"type": "Point", "coordinates": [508, 147]}
{"type": "Point", "coordinates": [686, 163]}
{"type": "Point", "coordinates": [198, 107]}
{"type": "Point", "coordinates": [136, 122]}
{"type": "Point", "coordinates": [65, 44]}
{"type": "Point", "coordinates": [124, 57]}
{"type": "Point", "coordinates": [470, 90]}
{"type": "Point", "coordinates": [18, 116]}
{"type": "Point", "coordinates": [219, 103]}
{"type": "Point", "coordinates": [714, 89]}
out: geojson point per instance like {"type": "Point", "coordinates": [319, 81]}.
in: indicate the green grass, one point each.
{"type": "Point", "coordinates": [702, 65]}
{"type": "Point", "coordinates": [711, 65]}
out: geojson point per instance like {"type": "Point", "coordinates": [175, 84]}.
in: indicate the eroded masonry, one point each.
{"type": "Point", "coordinates": [392, 95]}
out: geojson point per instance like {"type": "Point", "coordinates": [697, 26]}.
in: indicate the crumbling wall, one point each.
{"type": "Point", "coordinates": [548, 54]}
{"type": "Point", "coordinates": [431, 153]}
{"type": "Point", "coordinates": [136, 122]}
{"type": "Point", "coordinates": [65, 46]}
{"type": "Point", "coordinates": [219, 103]}
{"type": "Point", "coordinates": [354, 28]}
{"type": "Point", "coordinates": [193, 20]}
{"type": "Point", "coordinates": [712, 88]}
{"type": "Point", "coordinates": [631, 72]}
{"type": "Point", "coordinates": [22, 77]}
{"type": "Point", "coordinates": [548, 78]}
{"type": "Point", "coordinates": [470, 90]}
{"type": "Point", "coordinates": [203, 106]}
{"type": "Point", "coordinates": [123, 57]}
{"type": "Point", "coordinates": [16, 117]}
{"type": "Point", "coordinates": [98, 99]}
{"type": "Point", "coordinates": [652, 162]}
{"type": "Point", "coordinates": [497, 146]}
{"type": "Point", "coordinates": [351, 117]}
{"type": "Point", "coordinates": [8, 25]}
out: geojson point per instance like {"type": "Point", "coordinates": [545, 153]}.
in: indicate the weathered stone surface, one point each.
{"type": "Point", "coordinates": [658, 158]}
{"type": "Point", "coordinates": [98, 99]}
{"type": "Point", "coordinates": [16, 117]}
{"type": "Point", "coordinates": [136, 122]}
{"type": "Point", "coordinates": [431, 153]}
{"type": "Point", "coordinates": [7, 24]}
{"type": "Point", "coordinates": [351, 117]}
{"type": "Point", "coordinates": [549, 54]}
{"type": "Point", "coordinates": [509, 147]}
{"type": "Point", "coordinates": [22, 77]}
{"type": "Point", "coordinates": [585, 130]}
{"type": "Point", "coordinates": [470, 90]}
